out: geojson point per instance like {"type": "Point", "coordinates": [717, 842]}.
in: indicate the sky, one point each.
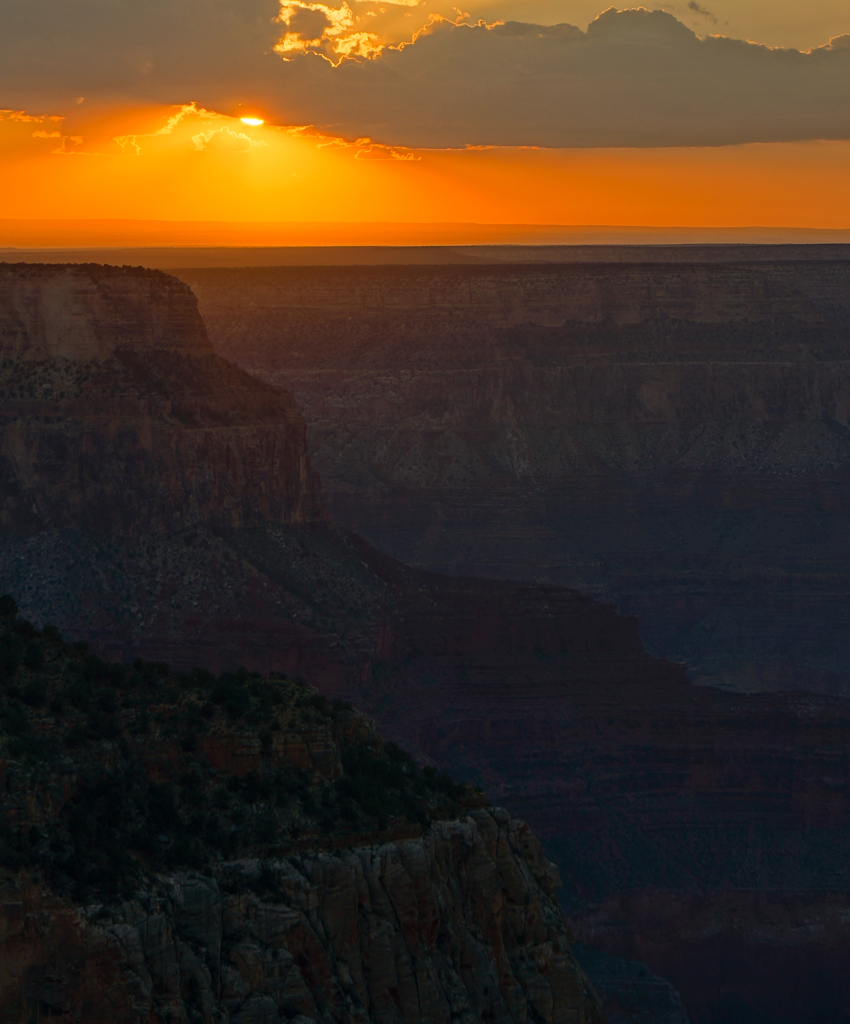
{"type": "Point", "coordinates": [500, 112]}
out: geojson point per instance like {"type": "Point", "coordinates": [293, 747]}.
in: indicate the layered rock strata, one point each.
{"type": "Point", "coordinates": [672, 438]}
{"type": "Point", "coordinates": [699, 830]}
{"type": "Point", "coordinates": [117, 416]}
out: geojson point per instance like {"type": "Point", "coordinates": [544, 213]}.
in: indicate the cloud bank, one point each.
{"type": "Point", "coordinates": [634, 78]}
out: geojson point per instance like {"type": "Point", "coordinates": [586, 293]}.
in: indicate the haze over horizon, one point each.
{"type": "Point", "coordinates": [529, 113]}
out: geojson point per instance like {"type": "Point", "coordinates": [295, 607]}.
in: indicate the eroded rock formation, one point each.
{"type": "Point", "coordinates": [451, 927]}
{"type": "Point", "coordinates": [118, 417]}
{"type": "Point", "coordinates": [700, 830]}
{"type": "Point", "coordinates": [362, 890]}
{"type": "Point", "coordinates": [672, 438]}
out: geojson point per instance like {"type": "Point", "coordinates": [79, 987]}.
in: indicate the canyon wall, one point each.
{"type": "Point", "coordinates": [671, 810]}
{"type": "Point", "coordinates": [703, 831]}
{"type": "Point", "coordinates": [117, 416]}
{"type": "Point", "coordinates": [85, 312]}
{"type": "Point", "coordinates": [672, 438]}
{"type": "Point", "coordinates": [450, 927]}
{"type": "Point", "coordinates": [177, 847]}
{"type": "Point", "coordinates": [699, 831]}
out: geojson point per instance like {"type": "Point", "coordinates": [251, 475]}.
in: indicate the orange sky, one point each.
{"type": "Point", "coordinates": [149, 164]}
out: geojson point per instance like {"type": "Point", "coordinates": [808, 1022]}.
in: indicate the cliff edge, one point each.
{"type": "Point", "coordinates": [116, 416]}
{"type": "Point", "coordinates": [240, 851]}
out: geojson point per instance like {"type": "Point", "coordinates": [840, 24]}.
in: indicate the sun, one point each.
{"type": "Point", "coordinates": [251, 120]}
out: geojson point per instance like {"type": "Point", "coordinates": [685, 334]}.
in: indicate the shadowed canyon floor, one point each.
{"type": "Point", "coordinates": [700, 831]}
{"type": "Point", "coordinates": [671, 437]}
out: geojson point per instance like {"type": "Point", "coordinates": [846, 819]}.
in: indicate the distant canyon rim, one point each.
{"type": "Point", "coordinates": [667, 430]}
{"type": "Point", "coordinates": [702, 832]}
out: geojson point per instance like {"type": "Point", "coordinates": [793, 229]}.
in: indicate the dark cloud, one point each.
{"type": "Point", "coordinates": [635, 78]}
{"type": "Point", "coordinates": [135, 50]}
{"type": "Point", "coordinates": [702, 12]}
{"type": "Point", "coordinates": [308, 24]}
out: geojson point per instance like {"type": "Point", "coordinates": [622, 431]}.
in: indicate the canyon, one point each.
{"type": "Point", "coordinates": [244, 876]}
{"type": "Point", "coordinates": [699, 831]}
{"type": "Point", "coordinates": [669, 437]}
{"type": "Point", "coordinates": [119, 417]}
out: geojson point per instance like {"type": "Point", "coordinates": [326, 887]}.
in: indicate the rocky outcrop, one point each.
{"type": "Point", "coordinates": [363, 890]}
{"type": "Point", "coordinates": [459, 925]}
{"type": "Point", "coordinates": [116, 415]}
{"type": "Point", "coordinates": [672, 438]}
{"type": "Point", "coordinates": [84, 313]}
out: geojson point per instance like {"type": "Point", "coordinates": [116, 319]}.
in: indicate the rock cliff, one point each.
{"type": "Point", "coordinates": [117, 416]}
{"type": "Point", "coordinates": [672, 438]}
{"type": "Point", "coordinates": [700, 830]}
{"type": "Point", "coordinates": [124, 792]}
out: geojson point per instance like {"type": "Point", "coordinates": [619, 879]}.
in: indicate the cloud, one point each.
{"type": "Point", "coordinates": [331, 32]}
{"type": "Point", "coordinates": [702, 12]}
{"type": "Point", "coordinates": [152, 51]}
{"type": "Point", "coordinates": [634, 78]}
{"type": "Point", "coordinates": [367, 150]}
{"type": "Point", "coordinates": [837, 43]}
{"type": "Point", "coordinates": [224, 140]}
{"type": "Point", "coordinates": [22, 115]}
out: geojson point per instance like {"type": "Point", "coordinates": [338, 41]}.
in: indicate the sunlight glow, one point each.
{"type": "Point", "coordinates": [255, 121]}
{"type": "Point", "coordinates": [189, 164]}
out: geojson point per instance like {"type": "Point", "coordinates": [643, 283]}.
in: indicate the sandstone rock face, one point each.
{"type": "Point", "coordinates": [459, 925]}
{"type": "Point", "coordinates": [116, 416]}
{"type": "Point", "coordinates": [670, 438]}
{"type": "Point", "coordinates": [84, 313]}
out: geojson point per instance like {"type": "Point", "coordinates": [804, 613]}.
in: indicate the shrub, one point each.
{"type": "Point", "coordinates": [230, 694]}
{"type": "Point", "coordinates": [103, 726]}
{"type": "Point", "coordinates": [15, 720]}
{"type": "Point", "coordinates": [106, 701]}
{"type": "Point", "coordinates": [189, 741]}
{"type": "Point", "coordinates": [164, 816]}
{"type": "Point", "coordinates": [78, 694]}
{"type": "Point", "coordinates": [34, 655]}
{"type": "Point", "coordinates": [152, 669]}
{"type": "Point", "coordinates": [75, 737]}
{"type": "Point", "coordinates": [318, 701]}
{"type": "Point", "coordinates": [96, 671]}
{"type": "Point", "coordinates": [11, 648]}
{"type": "Point", "coordinates": [35, 693]}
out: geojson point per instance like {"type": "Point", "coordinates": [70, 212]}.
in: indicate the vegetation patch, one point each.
{"type": "Point", "coordinates": [109, 772]}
